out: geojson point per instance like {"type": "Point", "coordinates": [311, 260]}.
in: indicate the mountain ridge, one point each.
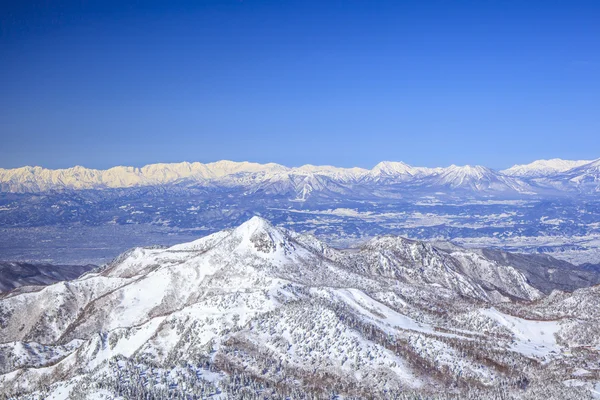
{"type": "Point", "coordinates": [302, 180]}
{"type": "Point", "coordinates": [262, 312]}
{"type": "Point", "coordinates": [540, 168]}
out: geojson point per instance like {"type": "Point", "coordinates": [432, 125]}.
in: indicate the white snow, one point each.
{"type": "Point", "coordinates": [288, 294]}
{"type": "Point", "coordinates": [244, 173]}
{"type": "Point", "coordinates": [533, 338]}
{"type": "Point", "coordinates": [541, 168]}
{"type": "Point", "coordinates": [596, 390]}
{"type": "Point", "coordinates": [61, 392]}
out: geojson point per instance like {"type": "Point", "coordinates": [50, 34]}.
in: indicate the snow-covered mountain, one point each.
{"type": "Point", "coordinates": [585, 177]}
{"type": "Point", "coordinates": [462, 271]}
{"type": "Point", "coordinates": [398, 172]}
{"type": "Point", "coordinates": [542, 168]}
{"type": "Point", "coordinates": [42, 179]}
{"type": "Point", "coordinates": [582, 179]}
{"type": "Point", "coordinates": [224, 173]}
{"type": "Point", "coordinates": [476, 179]}
{"type": "Point", "coordinates": [301, 182]}
{"type": "Point", "coordinates": [262, 312]}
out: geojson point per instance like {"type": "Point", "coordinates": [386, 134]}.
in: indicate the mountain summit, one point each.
{"type": "Point", "coordinates": [259, 311]}
{"type": "Point", "coordinates": [542, 168]}
{"type": "Point", "coordinates": [300, 182]}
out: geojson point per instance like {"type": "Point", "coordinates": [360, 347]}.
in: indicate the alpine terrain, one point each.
{"type": "Point", "coordinates": [88, 216]}
{"type": "Point", "coordinates": [260, 311]}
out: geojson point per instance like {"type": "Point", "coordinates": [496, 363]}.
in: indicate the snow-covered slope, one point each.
{"type": "Point", "coordinates": [262, 312]}
{"type": "Point", "coordinates": [339, 174]}
{"type": "Point", "coordinates": [476, 179]}
{"type": "Point", "coordinates": [41, 179]}
{"type": "Point", "coordinates": [582, 179]}
{"type": "Point", "coordinates": [540, 168]}
{"type": "Point", "coordinates": [462, 271]}
{"type": "Point", "coordinates": [398, 172]}
{"type": "Point", "coordinates": [585, 177]}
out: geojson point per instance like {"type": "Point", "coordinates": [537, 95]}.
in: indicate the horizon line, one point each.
{"type": "Point", "coordinates": [291, 167]}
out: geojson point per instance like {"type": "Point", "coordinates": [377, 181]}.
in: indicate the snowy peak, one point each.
{"type": "Point", "coordinates": [255, 223]}
{"type": "Point", "coordinates": [591, 166]}
{"type": "Point", "coordinates": [467, 172]}
{"type": "Point", "coordinates": [41, 179]}
{"type": "Point", "coordinates": [223, 168]}
{"type": "Point", "coordinates": [586, 178]}
{"type": "Point", "coordinates": [342, 174]}
{"type": "Point", "coordinates": [222, 317]}
{"type": "Point", "coordinates": [541, 168]}
{"type": "Point", "coordinates": [399, 172]}
{"type": "Point", "coordinates": [256, 236]}
{"type": "Point", "coordinates": [392, 168]}
{"type": "Point", "coordinates": [478, 179]}
{"type": "Point", "coordinates": [306, 181]}
{"type": "Point", "coordinates": [259, 234]}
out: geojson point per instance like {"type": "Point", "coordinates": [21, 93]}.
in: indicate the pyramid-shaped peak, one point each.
{"type": "Point", "coordinates": [255, 234]}
{"type": "Point", "coordinates": [468, 170]}
{"type": "Point", "coordinates": [468, 167]}
{"type": "Point", "coordinates": [260, 233]}
{"type": "Point", "coordinates": [392, 168]}
{"type": "Point", "coordinates": [257, 222]}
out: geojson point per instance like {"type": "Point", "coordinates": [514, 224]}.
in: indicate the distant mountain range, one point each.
{"type": "Point", "coordinates": [541, 168]}
{"type": "Point", "coordinates": [540, 177]}
{"type": "Point", "coordinates": [81, 216]}
{"type": "Point", "coordinates": [263, 312]}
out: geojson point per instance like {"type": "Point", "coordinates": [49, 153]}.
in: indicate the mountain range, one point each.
{"type": "Point", "coordinates": [259, 311]}
{"type": "Point", "coordinates": [540, 177]}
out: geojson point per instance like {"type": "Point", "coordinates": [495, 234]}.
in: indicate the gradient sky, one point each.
{"type": "Point", "coordinates": [348, 83]}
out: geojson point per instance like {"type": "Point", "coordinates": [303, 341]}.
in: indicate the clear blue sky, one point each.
{"type": "Point", "coordinates": [324, 82]}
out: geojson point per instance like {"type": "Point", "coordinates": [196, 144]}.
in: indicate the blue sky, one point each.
{"type": "Point", "coordinates": [347, 83]}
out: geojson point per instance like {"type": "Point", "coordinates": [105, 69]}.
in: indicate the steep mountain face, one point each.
{"type": "Point", "coordinates": [544, 177]}
{"type": "Point", "coordinates": [476, 179]}
{"type": "Point", "coordinates": [581, 177]}
{"type": "Point", "coordinates": [16, 274]}
{"type": "Point", "coordinates": [262, 312]}
{"type": "Point", "coordinates": [542, 168]}
{"type": "Point", "coordinates": [344, 175]}
{"type": "Point", "coordinates": [393, 172]}
{"type": "Point", "coordinates": [301, 187]}
{"type": "Point", "coordinates": [40, 179]}
{"type": "Point", "coordinates": [461, 271]}
{"type": "Point", "coordinates": [586, 177]}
